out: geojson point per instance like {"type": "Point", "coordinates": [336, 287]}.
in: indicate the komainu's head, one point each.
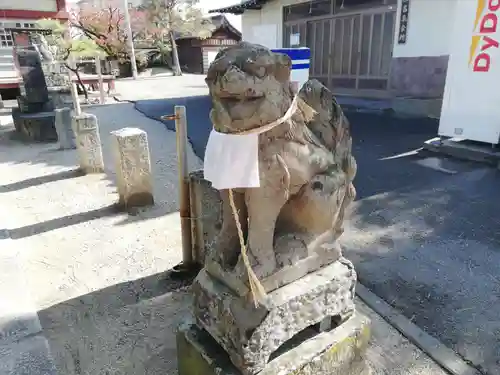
{"type": "Point", "coordinates": [250, 87]}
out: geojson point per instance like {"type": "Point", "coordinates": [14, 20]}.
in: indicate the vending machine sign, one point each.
{"type": "Point", "coordinates": [471, 107]}
{"type": "Point", "coordinates": [484, 35]}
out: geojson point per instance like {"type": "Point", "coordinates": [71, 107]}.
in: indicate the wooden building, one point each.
{"type": "Point", "coordinates": [196, 55]}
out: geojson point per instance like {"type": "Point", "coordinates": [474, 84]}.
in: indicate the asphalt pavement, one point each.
{"type": "Point", "coordinates": [424, 231]}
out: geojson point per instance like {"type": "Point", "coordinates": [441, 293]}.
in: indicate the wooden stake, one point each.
{"type": "Point", "coordinates": [98, 69]}
{"type": "Point", "coordinates": [184, 195]}
{"type": "Point", "coordinates": [74, 91]}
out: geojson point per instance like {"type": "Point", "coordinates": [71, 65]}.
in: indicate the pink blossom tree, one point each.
{"type": "Point", "coordinates": [106, 27]}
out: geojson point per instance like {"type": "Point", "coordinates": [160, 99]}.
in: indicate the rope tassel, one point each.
{"type": "Point", "coordinates": [257, 291]}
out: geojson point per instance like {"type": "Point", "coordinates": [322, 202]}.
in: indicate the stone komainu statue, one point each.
{"type": "Point", "coordinates": [306, 168]}
{"type": "Point", "coordinates": [291, 225]}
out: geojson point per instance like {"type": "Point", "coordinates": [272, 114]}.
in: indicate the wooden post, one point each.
{"type": "Point", "coordinates": [74, 91]}
{"type": "Point", "coordinates": [102, 98]}
{"type": "Point", "coordinates": [184, 194]}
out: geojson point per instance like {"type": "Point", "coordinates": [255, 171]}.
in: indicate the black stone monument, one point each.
{"type": "Point", "coordinates": [35, 115]}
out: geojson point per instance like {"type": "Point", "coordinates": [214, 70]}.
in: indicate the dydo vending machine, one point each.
{"type": "Point", "coordinates": [471, 100]}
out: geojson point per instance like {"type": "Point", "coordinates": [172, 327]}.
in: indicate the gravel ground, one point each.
{"type": "Point", "coordinates": [75, 244]}
{"type": "Point", "coordinates": [76, 224]}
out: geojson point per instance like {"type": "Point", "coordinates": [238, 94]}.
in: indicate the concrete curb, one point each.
{"type": "Point", "coordinates": [436, 350]}
{"type": "Point", "coordinates": [463, 150]}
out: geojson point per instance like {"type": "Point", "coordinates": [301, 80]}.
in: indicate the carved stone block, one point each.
{"type": "Point", "coordinates": [65, 133]}
{"type": "Point", "coordinates": [206, 213]}
{"type": "Point", "coordinates": [88, 143]}
{"type": "Point", "coordinates": [60, 97]}
{"type": "Point", "coordinates": [251, 335]}
{"type": "Point", "coordinates": [56, 74]}
{"type": "Point", "coordinates": [133, 167]}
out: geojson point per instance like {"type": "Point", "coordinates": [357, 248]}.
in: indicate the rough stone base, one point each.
{"type": "Point", "coordinates": [38, 127]}
{"type": "Point", "coordinates": [252, 335]}
{"type": "Point", "coordinates": [336, 352]}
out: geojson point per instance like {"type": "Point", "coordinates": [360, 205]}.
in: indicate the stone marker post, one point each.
{"type": "Point", "coordinates": [133, 167]}
{"type": "Point", "coordinates": [88, 143]}
{"type": "Point", "coordinates": [64, 129]}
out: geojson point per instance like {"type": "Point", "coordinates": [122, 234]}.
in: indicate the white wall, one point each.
{"type": "Point", "coordinates": [39, 5]}
{"type": "Point", "coordinates": [271, 16]}
{"type": "Point", "coordinates": [429, 28]}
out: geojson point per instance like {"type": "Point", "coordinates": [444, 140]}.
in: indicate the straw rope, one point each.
{"type": "Point", "coordinates": [257, 291]}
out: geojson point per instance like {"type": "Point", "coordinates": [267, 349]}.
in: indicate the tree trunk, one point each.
{"type": "Point", "coordinates": [175, 56]}
{"type": "Point", "coordinates": [79, 79]}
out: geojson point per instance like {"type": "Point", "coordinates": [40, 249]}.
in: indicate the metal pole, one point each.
{"type": "Point", "coordinates": [184, 196]}
{"type": "Point", "coordinates": [130, 41]}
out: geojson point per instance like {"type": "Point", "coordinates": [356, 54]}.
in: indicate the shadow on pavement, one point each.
{"type": "Point", "coordinates": [128, 328]}
{"type": "Point", "coordinates": [31, 182]}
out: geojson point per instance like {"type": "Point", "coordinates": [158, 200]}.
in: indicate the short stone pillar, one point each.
{"type": "Point", "coordinates": [1, 102]}
{"type": "Point", "coordinates": [206, 214]}
{"type": "Point", "coordinates": [88, 143]}
{"type": "Point", "coordinates": [64, 129]}
{"type": "Point", "coordinates": [133, 168]}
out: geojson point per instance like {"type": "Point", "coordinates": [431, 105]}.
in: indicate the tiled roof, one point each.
{"type": "Point", "coordinates": [240, 8]}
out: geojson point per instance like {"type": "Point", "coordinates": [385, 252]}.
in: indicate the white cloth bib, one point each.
{"type": "Point", "coordinates": [232, 161]}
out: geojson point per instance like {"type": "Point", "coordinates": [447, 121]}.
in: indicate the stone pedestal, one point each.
{"type": "Point", "coordinates": [133, 167]}
{"type": "Point", "coordinates": [65, 133]}
{"type": "Point", "coordinates": [88, 143]}
{"type": "Point", "coordinates": [37, 127]}
{"type": "Point", "coordinates": [336, 352]}
{"type": "Point", "coordinates": [251, 336]}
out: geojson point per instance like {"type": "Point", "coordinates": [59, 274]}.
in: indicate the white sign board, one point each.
{"type": "Point", "coordinates": [471, 105]}
{"type": "Point", "coordinates": [211, 56]}
{"type": "Point", "coordinates": [294, 40]}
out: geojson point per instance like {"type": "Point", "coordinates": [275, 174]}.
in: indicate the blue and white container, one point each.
{"type": "Point", "coordinates": [301, 60]}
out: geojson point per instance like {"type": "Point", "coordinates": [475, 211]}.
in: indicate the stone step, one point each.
{"type": "Point", "coordinates": [7, 65]}
{"type": "Point", "coordinates": [9, 80]}
{"type": "Point", "coordinates": [8, 73]}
